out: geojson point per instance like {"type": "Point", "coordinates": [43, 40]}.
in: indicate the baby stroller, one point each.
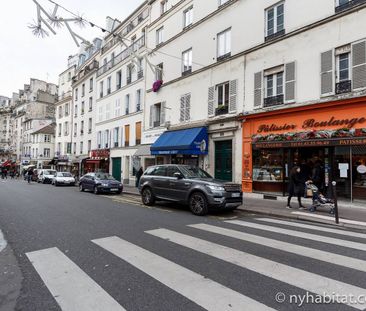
{"type": "Point", "coordinates": [319, 200]}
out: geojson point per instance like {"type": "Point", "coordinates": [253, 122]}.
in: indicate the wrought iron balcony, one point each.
{"type": "Point", "coordinates": [348, 5]}
{"type": "Point", "coordinates": [273, 101]}
{"type": "Point", "coordinates": [140, 74]}
{"type": "Point", "coordinates": [343, 87]}
{"type": "Point", "coordinates": [128, 80]}
{"type": "Point", "coordinates": [275, 35]}
{"type": "Point", "coordinates": [221, 110]}
{"type": "Point", "coordinates": [222, 57]}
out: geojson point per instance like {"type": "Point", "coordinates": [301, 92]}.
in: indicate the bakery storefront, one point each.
{"type": "Point", "coordinates": [329, 135]}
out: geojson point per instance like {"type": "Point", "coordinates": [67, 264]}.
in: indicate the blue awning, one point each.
{"type": "Point", "coordinates": [188, 141]}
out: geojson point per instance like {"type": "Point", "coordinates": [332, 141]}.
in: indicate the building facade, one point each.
{"type": "Point", "coordinates": [120, 98]}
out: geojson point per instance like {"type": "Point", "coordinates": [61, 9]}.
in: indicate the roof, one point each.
{"type": "Point", "coordinates": [49, 129]}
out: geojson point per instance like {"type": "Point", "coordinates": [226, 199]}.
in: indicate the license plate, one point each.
{"type": "Point", "coordinates": [114, 189]}
{"type": "Point", "coordinates": [235, 195]}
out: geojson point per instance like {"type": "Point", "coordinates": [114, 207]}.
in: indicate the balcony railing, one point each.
{"type": "Point", "coordinates": [122, 56]}
{"type": "Point", "coordinates": [186, 72]}
{"type": "Point", "coordinates": [344, 87]}
{"type": "Point", "coordinates": [221, 110]}
{"type": "Point", "coordinates": [128, 80]}
{"type": "Point", "coordinates": [273, 101]}
{"type": "Point", "coordinates": [348, 5]}
{"type": "Point", "coordinates": [222, 57]}
{"type": "Point", "coordinates": [275, 35]}
{"type": "Point", "coordinates": [140, 74]}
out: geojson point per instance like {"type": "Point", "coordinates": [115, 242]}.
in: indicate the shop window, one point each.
{"type": "Point", "coordinates": [268, 175]}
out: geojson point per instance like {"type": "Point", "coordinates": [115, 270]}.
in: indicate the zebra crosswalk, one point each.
{"type": "Point", "coordinates": [74, 289]}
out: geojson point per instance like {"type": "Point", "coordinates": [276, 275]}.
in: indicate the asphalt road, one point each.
{"type": "Point", "coordinates": [77, 251]}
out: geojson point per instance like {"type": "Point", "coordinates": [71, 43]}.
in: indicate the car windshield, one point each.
{"type": "Point", "coordinates": [49, 172]}
{"type": "Point", "coordinates": [104, 176]}
{"type": "Point", "coordinates": [64, 175]}
{"type": "Point", "coordinates": [194, 172]}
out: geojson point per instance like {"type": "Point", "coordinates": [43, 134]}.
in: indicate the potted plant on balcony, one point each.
{"type": "Point", "coordinates": [157, 85]}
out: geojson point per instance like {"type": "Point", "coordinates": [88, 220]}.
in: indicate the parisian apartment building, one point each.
{"type": "Point", "coordinates": [240, 88]}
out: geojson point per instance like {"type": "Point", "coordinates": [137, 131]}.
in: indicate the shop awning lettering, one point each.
{"type": "Point", "coordinates": [265, 128]}
{"type": "Point", "coordinates": [348, 123]}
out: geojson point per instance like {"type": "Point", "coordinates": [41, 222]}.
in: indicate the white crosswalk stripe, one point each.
{"type": "Point", "coordinates": [312, 227]}
{"type": "Point", "coordinates": [303, 235]}
{"type": "Point", "coordinates": [296, 277]}
{"type": "Point", "coordinates": [72, 288]}
{"type": "Point", "coordinates": [204, 292]}
{"type": "Point", "coordinates": [344, 261]}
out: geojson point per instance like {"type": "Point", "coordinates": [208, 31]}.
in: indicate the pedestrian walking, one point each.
{"type": "Point", "coordinates": [296, 186]}
{"type": "Point", "coordinates": [5, 173]}
{"type": "Point", "coordinates": [138, 176]}
{"type": "Point", "coordinates": [30, 175]}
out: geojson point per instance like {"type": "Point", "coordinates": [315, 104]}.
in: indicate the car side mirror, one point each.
{"type": "Point", "coordinates": [178, 175]}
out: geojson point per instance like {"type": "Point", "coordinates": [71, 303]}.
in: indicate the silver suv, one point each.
{"type": "Point", "coordinates": [188, 185]}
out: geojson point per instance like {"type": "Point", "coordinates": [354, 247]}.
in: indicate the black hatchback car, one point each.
{"type": "Point", "coordinates": [100, 182]}
{"type": "Point", "coordinates": [188, 185]}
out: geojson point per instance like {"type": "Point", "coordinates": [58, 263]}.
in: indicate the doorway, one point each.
{"type": "Point", "coordinates": [224, 160]}
{"type": "Point", "coordinates": [116, 168]}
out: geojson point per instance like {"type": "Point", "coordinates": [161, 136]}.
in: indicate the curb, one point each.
{"type": "Point", "coordinates": [299, 217]}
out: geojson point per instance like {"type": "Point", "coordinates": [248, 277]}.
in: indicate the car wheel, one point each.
{"type": "Point", "coordinates": [198, 204]}
{"type": "Point", "coordinates": [81, 188]}
{"type": "Point", "coordinates": [147, 196]}
{"type": "Point", "coordinates": [96, 191]}
{"type": "Point", "coordinates": [43, 181]}
{"type": "Point", "coordinates": [55, 183]}
{"type": "Point", "coordinates": [119, 192]}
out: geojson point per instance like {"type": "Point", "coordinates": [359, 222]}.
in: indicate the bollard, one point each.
{"type": "Point", "coordinates": [336, 215]}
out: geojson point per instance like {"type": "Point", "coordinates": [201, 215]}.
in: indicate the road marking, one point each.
{"type": "Point", "coordinates": [72, 288]}
{"type": "Point", "coordinates": [318, 228]}
{"type": "Point", "coordinates": [303, 235]}
{"type": "Point", "coordinates": [3, 242]}
{"type": "Point", "coordinates": [204, 292]}
{"type": "Point", "coordinates": [296, 277]}
{"type": "Point", "coordinates": [344, 261]}
{"type": "Point", "coordinates": [345, 221]}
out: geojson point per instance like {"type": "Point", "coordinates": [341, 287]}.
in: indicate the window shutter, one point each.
{"type": "Point", "coordinates": [359, 65]}
{"type": "Point", "coordinates": [188, 107]}
{"type": "Point", "coordinates": [211, 101]}
{"type": "Point", "coordinates": [182, 107]}
{"type": "Point", "coordinates": [290, 75]}
{"type": "Point", "coordinates": [233, 97]}
{"type": "Point", "coordinates": [258, 89]}
{"type": "Point", "coordinates": [151, 116]}
{"type": "Point", "coordinates": [327, 73]}
{"type": "Point", "coordinates": [162, 113]}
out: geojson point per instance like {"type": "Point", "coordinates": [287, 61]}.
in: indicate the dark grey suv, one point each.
{"type": "Point", "coordinates": [188, 185]}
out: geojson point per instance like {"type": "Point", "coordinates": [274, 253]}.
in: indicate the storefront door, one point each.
{"type": "Point", "coordinates": [342, 171]}
{"type": "Point", "coordinates": [359, 173]}
{"type": "Point", "coordinates": [116, 168]}
{"type": "Point", "coordinates": [224, 160]}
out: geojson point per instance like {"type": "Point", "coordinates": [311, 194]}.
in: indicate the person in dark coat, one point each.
{"type": "Point", "coordinates": [296, 186]}
{"type": "Point", "coordinates": [317, 175]}
{"type": "Point", "coordinates": [138, 176]}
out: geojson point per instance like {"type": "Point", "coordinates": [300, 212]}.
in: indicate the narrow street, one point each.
{"type": "Point", "coordinates": [79, 251]}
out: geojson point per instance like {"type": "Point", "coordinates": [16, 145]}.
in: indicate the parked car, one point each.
{"type": "Point", "coordinates": [63, 178]}
{"type": "Point", "coordinates": [46, 176]}
{"type": "Point", "coordinates": [188, 185]}
{"type": "Point", "coordinates": [100, 182]}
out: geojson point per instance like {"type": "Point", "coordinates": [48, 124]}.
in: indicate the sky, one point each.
{"type": "Point", "coordinates": [24, 56]}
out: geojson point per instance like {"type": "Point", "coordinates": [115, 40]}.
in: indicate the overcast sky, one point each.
{"type": "Point", "coordinates": [22, 55]}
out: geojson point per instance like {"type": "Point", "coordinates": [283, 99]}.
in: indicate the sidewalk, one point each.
{"type": "Point", "coordinates": [350, 216]}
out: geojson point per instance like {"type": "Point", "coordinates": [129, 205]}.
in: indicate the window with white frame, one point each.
{"type": "Point", "coordinates": [117, 108]}
{"type": "Point", "coordinates": [76, 110]}
{"type": "Point", "coordinates": [187, 61]}
{"type": "Point", "coordinates": [60, 112]}
{"type": "Point", "coordinates": [100, 114]}
{"type": "Point", "coordinates": [344, 67]}
{"type": "Point", "coordinates": [275, 19]}
{"type": "Point", "coordinates": [91, 84]}
{"type": "Point", "coordinates": [155, 115]}
{"type": "Point", "coordinates": [224, 43]}
{"type": "Point", "coordinates": [223, 92]}
{"type": "Point", "coordinates": [81, 147]}
{"type": "Point", "coordinates": [75, 129]}
{"type": "Point", "coordinates": [221, 2]}
{"type": "Point", "coordinates": [159, 72]}
{"type": "Point", "coordinates": [82, 127]}
{"type": "Point", "coordinates": [115, 136]}
{"type": "Point", "coordinates": [76, 94]}
{"type": "Point", "coordinates": [106, 139]}
{"type": "Point", "coordinates": [83, 90]}
{"type": "Point", "coordinates": [74, 148]}
{"type": "Point", "coordinates": [109, 85]}
{"type": "Point", "coordinates": [159, 35]}
{"type": "Point", "coordinates": [90, 103]}
{"type": "Point", "coordinates": [127, 104]}
{"type": "Point", "coordinates": [138, 99]}
{"type": "Point", "coordinates": [99, 139]}
{"type": "Point", "coordinates": [118, 79]}
{"type": "Point", "coordinates": [274, 84]}
{"type": "Point", "coordinates": [59, 129]}
{"type": "Point", "coordinates": [47, 138]}
{"type": "Point", "coordinates": [89, 146]}
{"type": "Point", "coordinates": [108, 111]}
{"type": "Point", "coordinates": [188, 17]}
{"type": "Point", "coordinates": [90, 125]}
{"type": "Point", "coordinates": [66, 128]}
{"type": "Point", "coordinates": [67, 108]}
{"type": "Point", "coordinates": [46, 152]}
{"type": "Point", "coordinates": [101, 87]}
{"type": "Point", "coordinates": [82, 107]}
